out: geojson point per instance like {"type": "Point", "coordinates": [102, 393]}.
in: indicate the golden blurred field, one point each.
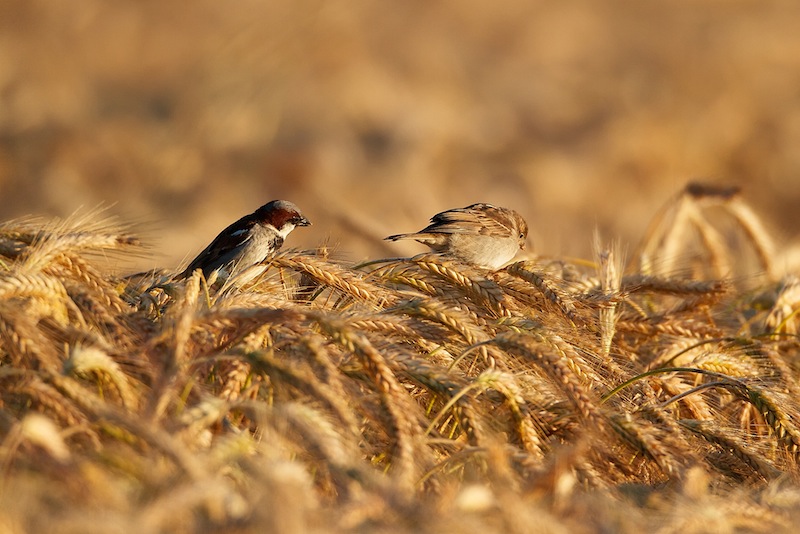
{"type": "Point", "coordinates": [606, 389]}
{"type": "Point", "coordinates": [373, 117]}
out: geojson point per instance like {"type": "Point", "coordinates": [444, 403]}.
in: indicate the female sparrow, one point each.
{"type": "Point", "coordinates": [249, 240]}
{"type": "Point", "coordinates": [480, 234]}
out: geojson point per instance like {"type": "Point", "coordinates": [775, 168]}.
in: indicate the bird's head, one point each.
{"type": "Point", "coordinates": [282, 215]}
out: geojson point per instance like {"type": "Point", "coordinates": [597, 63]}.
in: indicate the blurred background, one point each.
{"type": "Point", "coordinates": [372, 116]}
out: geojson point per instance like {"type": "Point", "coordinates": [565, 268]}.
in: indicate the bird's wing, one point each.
{"type": "Point", "coordinates": [224, 247]}
{"type": "Point", "coordinates": [477, 219]}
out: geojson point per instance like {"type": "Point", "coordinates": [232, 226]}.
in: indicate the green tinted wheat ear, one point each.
{"type": "Point", "coordinates": [781, 415]}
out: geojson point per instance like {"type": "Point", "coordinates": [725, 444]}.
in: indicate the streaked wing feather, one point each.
{"type": "Point", "coordinates": [224, 247]}
{"type": "Point", "coordinates": [479, 219]}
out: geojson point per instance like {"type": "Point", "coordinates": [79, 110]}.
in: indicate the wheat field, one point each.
{"type": "Point", "coordinates": [645, 383]}
{"type": "Point", "coordinates": [403, 394]}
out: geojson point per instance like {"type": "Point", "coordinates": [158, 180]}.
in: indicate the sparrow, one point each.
{"type": "Point", "coordinates": [248, 241]}
{"type": "Point", "coordinates": [480, 234]}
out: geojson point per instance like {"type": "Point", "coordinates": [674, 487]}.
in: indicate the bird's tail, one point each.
{"type": "Point", "coordinates": [396, 237]}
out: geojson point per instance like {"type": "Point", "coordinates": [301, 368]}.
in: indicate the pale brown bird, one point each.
{"type": "Point", "coordinates": [480, 234]}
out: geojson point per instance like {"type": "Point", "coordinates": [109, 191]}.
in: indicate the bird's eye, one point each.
{"type": "Point", "coordinates": [522, 236]}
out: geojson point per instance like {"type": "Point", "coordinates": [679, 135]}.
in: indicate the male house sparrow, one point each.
{"type": "Point", "coordinates": [249, 240]}
{"type": "Point", "coordinates": [480, 234]}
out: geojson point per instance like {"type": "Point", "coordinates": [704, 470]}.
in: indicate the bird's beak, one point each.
{"type": "Point", "coordinates": [302, 221]}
